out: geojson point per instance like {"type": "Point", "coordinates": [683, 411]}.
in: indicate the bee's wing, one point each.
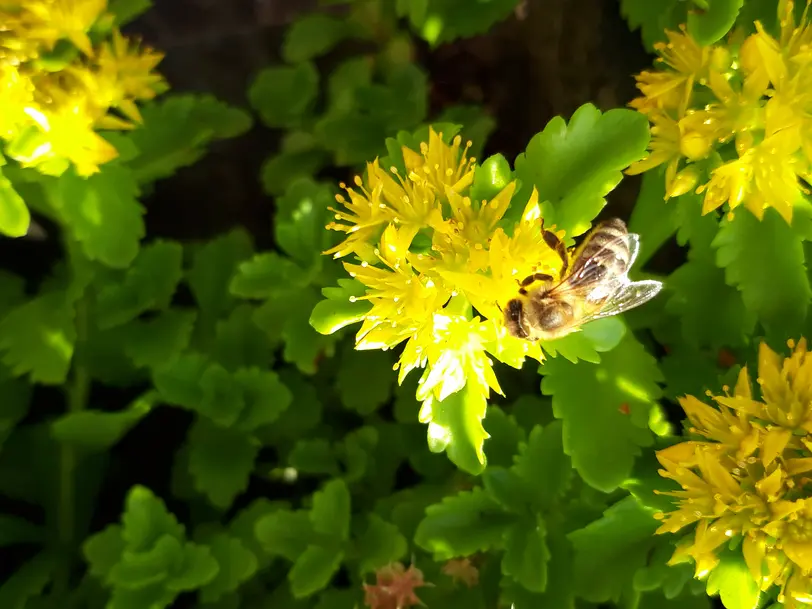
{"type": "Point", "coordinates": [631, 294]}
{"type": "Point", "coordinates": [587, 278]}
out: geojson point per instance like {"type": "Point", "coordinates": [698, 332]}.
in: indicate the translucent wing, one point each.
{"type": "Point", "coordinates": [632, 294]}
{"type": "Point", "coordinates": [588, 278]}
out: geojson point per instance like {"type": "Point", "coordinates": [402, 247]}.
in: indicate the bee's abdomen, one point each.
{"type": "Point", "coordinates": [606, 240]}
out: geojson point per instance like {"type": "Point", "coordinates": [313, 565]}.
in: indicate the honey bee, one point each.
{"type": "Point", "coordinates": [596, 285]}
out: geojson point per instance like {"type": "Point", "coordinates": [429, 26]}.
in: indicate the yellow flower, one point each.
{"type": "Point", "coordinates": [671, 89]}
{"type": "Point", "coordinates": [758, 96]}
{"type": "Point", "coordinates": [119, 75]}
{"type": "Point", "coordinates": [69, 19]}
{"type": "Point", "coordinates": [51, 111]}
{"type": "Point", "coordinates": [748, 476]}
{"type": "Point", "coordinates": [437, 267]}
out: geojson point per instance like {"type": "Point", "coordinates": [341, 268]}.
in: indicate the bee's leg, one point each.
{"type": "Point", "coordinates": [534, 277]}
{"type": "Point", "coordinates": [554, 243]}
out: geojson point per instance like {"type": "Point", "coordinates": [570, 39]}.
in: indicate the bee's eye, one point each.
{"type": "Point", "coordinates": [515, 310]}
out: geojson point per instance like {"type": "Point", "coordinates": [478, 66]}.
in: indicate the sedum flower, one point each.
{"type": "Point", "coordinates": [437, 267]}
{"type": "Point", "coordinates": [462, 570]}
{"type": "Point", "coordinates": [746, 476]}
{"type": "Point", "coordinates": [394, 587]}
{"type": "Point", "coordinates": [53, 105]}
{"type": "Point", "coordinates": [733, 121]}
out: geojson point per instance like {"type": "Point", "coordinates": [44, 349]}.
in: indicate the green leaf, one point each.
{"type": "Point", "coordinates": [300, 420]}
{"type": "Point", "coordinates": [300, 157]}
{"type": "Point", "coordinates": [596, 337]}
{"type": "Point", "coordinates": [176, 130]}
{"type": "Point", "coordinates": [605, 409]}
{"type": "Point", "coordinates": [103, 550]}
{"type": "Point", "coordinates": [560, 590]}
{"type": "Point", "coordinates": [300, 219]}
{"type": "Point", "coordinates": [313, 570]}
{"type": "Point", "coordinates": [221, 461]}
{"type": "Point", "coordinates": [239, 343]}
{"type": "Point", "coordinates": [505, 436]}
{"type": "Point", "coordinates": [364, 380]}
{"type": "Point", "coordinates": [311, 36]}
{"type": "Point", "coordinates": [455, 426]}
{"type": "Point", "coordinates": [38, 338]}
{"type": "Point", "coordinates": [223, 399]}
{"type": "Point", "coordinates": [610, 550]}
{"type": "Point", "coordinates": [283, 95]}
{"type": "Point", "coordinates": [197, 568]}
{"type": "Point", "coordinates": [490, 178]}
{"type": "Point", "coordinates": [27, 582]}
{"type": "Point", "coordinates": [647, 485]}
{"type": "Point", "coordinates": [574, 166]}
{"type": "Point", "coordinates": [381, 544]}
{"type": "Point", "coordinates": [356, 129]}
{"type": "Point", "coordinates": [444, 21]}
{"type": "Point", "coordinates": [127, 10]}
{"type": "Point", "coordinates": [653, 18]}
{"type": "Point", "coordinates": [669, 580]}
{"type": "Point", "coordinates": [544, 466]}
{"type": "Point", "coordinates": [656, 600]}
{"type": "Point", "coordinates": [146, 519]}
{"type": "Point", "coordinates": [732, 581]}
{"type": "Point", "coordinates": [287, 315]}
{"type": "Point", "coordinates": [689, 371]}
{"type": "Point", "coordinates": [214, 263]}
{"type": "Point", "coordinates": [695, 229]}
{"type": "Point", "coordinates": [156, 342]}
{"type": "Point", "coordinates": [710, 312]}
{"type": "Point", "coordinates": [341, 308]}
{"type": "Point", "coordinates": [96, 430]}
{"type": "Point", "coordinates": [462, 525]}
{"type": "Point", "coordinates": [265, 398]}
{"type": "Point", "coordinates": [14, 215]}
{"type": "Point", "coordinates": [652, 217]}
{"type": "Point", "coordinates": [243, 527]}
{"type": "Point", "coordinates": [314, 457]}
{"type": "Point", "coordinates": [237, 565]}
{"type": "Point", "coordinates": [330, 513]}
{"type": "Point", "coordinates": [765, 261]}
{"type": "Point", "coordinates": [102, 213]}
{"type": "Point", "coordinates": [180, 382]}
{"type": "Point", "coordinates": [709, 26]}
{"type": "Point", "coordinates": [285, 533]}
{"type": "Point", "coordinates": [526, 555]}
{"type": "Point", "coordinates": [15, 530]}
{"type": "Point", "coordinates": [262, 276]}
{"type": "Point", "coordinates": [147, 285]}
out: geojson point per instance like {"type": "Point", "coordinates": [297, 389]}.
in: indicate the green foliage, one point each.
{"type": "Point", "coordinates": [762, 259]}
{"type": "Point", "coordinates": [287, 468]}
{"type": "Point", "coordinates": [710, 25]}
{"type": "Point", "coordinates": [605, 408]}
{"type": "Point", "coordinates": [439, 21]}
{"type": "Point", "coordinates": [146, 560]}
{"type": "Point", "coordinates": [654, 19]}
{"type": "Point", "coordinates": [574, 165]}
{"type": "Point", "coordinates": [14, 215]}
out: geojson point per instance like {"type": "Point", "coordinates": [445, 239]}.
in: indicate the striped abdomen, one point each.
{"type": "Point", "coordinates": [605, 251]}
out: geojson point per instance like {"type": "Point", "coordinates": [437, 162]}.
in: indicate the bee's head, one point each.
{"type": "Point", "coordinates": [515, 319]}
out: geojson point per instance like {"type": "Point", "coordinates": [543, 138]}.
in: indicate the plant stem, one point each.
{"type": "Point", "coordinates": [77, 391]}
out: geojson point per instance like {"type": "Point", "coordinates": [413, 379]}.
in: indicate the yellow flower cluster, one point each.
{"type": "Point", "coordinates": [733, 121]}
{"type": "Point", "coordinates": [57, 87]}
{"type": "Point", "coordinates": [747, 476]}
{"type": "Point", "coordinates": [427, 255]}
